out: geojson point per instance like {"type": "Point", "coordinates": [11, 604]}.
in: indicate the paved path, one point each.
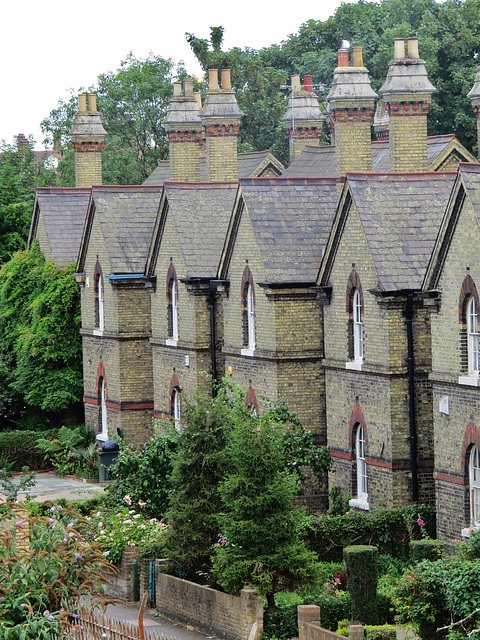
{"type": "Point", "coordinates": [48, 486]}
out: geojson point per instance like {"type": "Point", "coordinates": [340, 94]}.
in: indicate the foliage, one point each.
{"type": "Point", "coordinates": [143, 474]}
{"type": "Point", "coordinates": [380, 632]}
{"type": "Point", "coordinates": [362, 578]}
{"type": "Point", "coordinates": [261, 542]}
{"type": "Point", "coordinates": [470, 550]}
{"type": "Point", "coordinates": [83, 507]}
{"type": "Point", "coordinates": [11, 489]}
{"type": "Point", "coordinates": [19, 448]}
{"type": "Point", "coordinates": [434, 594]}
{"type": "Point", "coordinates": [338, 505]}
{"type": "Point", "coordinates": [388, 529]}
{"type": "Point", "coordinates": [72, 451]}
{"type": "Point", "coordinates": [40, 588]}
{"type": "Point", "coordinates": [126, 528]}
{"type": "Point", "coordinates": [41, 349]}
{"type": "Point", "coordinates": [426, 550]}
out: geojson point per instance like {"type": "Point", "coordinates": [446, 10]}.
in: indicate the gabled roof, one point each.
{"type": "Point", "coordinates": [291, 219]}
{"type": "Point", "coordinates": [320, 161]}
{"type": "Point", "coordinates": [63, 212]}
{"type": "Point", "coordinates": [250, 165]}
{"type": "Point", "coordinates": [126, 216]}
{"type": "Point", "coordinates": [200, 212]}
{"type": "Point", "coordinates": [400, 215]}
{"type": "Point", "coordinates": [467, 185]}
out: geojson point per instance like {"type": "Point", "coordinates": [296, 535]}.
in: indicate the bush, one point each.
{"type": "Point", "coordinates": [382, 632]}
{"type": "Point", "coordinates": [362, 577]}
{"type": "Point", "coordinates": [426, 550]}
{"type": "Point", "coordinates": [390, 530]}
{"type": "Point", "coordinates": [19, 448]}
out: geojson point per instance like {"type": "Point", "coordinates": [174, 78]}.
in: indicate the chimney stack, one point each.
{"type": "Point", "coordinates": [303, 119]}
{"type": "Point", "coordinates": [88, 137]}
{"type": "Point", "coordinates": [184, 133]}
{"type": "Point", "coordinates": [380, 121]}
{"type": "Point", "coordinates": [350, 102]}
{"type": "Point", "coordinates": [220, 118]}
{"type": "Point", "coordinates": [407, 94]}
{"type": "Point", "coordinates": [474, 96]}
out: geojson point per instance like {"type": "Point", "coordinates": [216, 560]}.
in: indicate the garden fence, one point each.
{"type": "Point", "coordinates": [101, 627]}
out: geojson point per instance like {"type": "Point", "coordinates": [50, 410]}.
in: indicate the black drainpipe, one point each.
{"type": "Point", "coordinates": [411, 395]}
{"type": "Point", "coordinates": [211, 307]}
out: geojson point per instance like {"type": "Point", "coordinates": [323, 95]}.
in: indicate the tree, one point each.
{"type": "Point", "coordinates": [261, 543]}
{"type": "Point", "coordinates": [41, 351]}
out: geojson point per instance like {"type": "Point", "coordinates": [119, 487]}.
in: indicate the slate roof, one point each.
{"type": "Point", "coordinates": [127, 217]}
{"type": "Point", "coordinates": [63, 212]}
{"type": "Point", "coordinates": [248, 163]}
{"type": "Point", "coordinates": [201, 213]}
{"type": "Point", "coordinates": [401, 216]}
{"type": "Point", "coordinates": [291, 219]}
{"type": "Point", "coordinates": [320, 161]}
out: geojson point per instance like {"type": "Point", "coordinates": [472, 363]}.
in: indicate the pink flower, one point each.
{"type": "Point", "coordinates": [223, 541]}
{"type": "Point", "coordinates": [337, 579]}
{"type": "Point", "coordinates": [420, 522]}
{"type": "Point", "coordinates": [128, 500]}
{"type": "Point", "coordinates": [218, 545]}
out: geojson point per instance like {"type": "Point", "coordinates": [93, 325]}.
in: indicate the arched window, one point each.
{"type": "Point", "coordinates": [473, 337]}
{"type": "Point", "coordinates": [98, 292]}
{"type": "Point", "coordinates": [469, 311]}
{"type": "Point", "coordinates": [248, 313]}
{"type": "Point", "coordinates": [358, 441]}
{"type": "Point", "coordinates": [474, 477]}
{"type": "Point", "coordinates": [103, 410]}
{"type": "Point", "coordinates": [172, 306]}
{"type": "Point", "coordinates": [355, 331]}
{"type": "Point", "coordinates": [175, 402]}
{"type": "Point", "coordinates": [362, 490]}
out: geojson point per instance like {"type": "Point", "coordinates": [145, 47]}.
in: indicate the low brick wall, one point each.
{"type": "Point", "coordinates": [309, 626]}
{"type": "Point", "coordinates": [213, 612]}
{"type": "Point", "coordinates": [120, 584]}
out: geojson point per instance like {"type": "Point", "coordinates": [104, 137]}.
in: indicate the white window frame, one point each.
{"type": "Point", "coordinates": [172, 341]}
{"type": "Point", "coordinates": [474, 471]}
{"type": "Point", "coordinates": [250, 323]}
{"type": "Point", "coordinates": [473, 345]}
{"type": "Point", "coordinates": [103, 412]}
{"type": "Point", "coordinates": [177, 410]}
{"type": "Point", "coordinates": [361, 501]}
{"type": "Point", "coordinates": [357, 361]}
{"type": "Point", "coordinates": [98, 331]}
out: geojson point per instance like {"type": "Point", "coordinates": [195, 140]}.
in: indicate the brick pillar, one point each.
{"type": "Point", "coordinates": [22, 529]}
{"type": "Point", "coordinates": [184, 133]}
{"type": "Point", "coordinates": [252, 607]}
{"type": "Point", "coordinates": [88, 137]}
{"type": "Point", "coordinates": [221, 123]}
{"type": "Point", "coordinates": [356, 632]}
{"type": "Point", "coordinates": [407, 94]}
{"type": "Point", "coordinates": [307, 613]}
{"type": "Point", "coordinates": [351, 101]}
{"type": "Point", "coordinates": [474, 96]}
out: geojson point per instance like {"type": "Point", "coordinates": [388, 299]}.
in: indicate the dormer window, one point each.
{"type": "Point", "coordinates": [248, 313]}
{"type": "Point", "coordinates": [172, 307]}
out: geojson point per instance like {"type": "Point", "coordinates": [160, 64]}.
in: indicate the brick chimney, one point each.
{"type": "Point", "coordinates": [221, 122]}
{"type": "Point", "coordinates": [380, 121]}
{"type": "Point", "coordinates": [407, 94]}
{"type": "Point", "coordinates": [303, 119]}
{"type": "Point", "coordinates": [22, 142]}
{"type": "Point", "coordinates": [474, 96]}
{"type": "Point", "coordinates": [350, 103]}
{"type": "Point", "coordinates": [88, 137]}
{"type": "Point", "coordinates": [184, 133]}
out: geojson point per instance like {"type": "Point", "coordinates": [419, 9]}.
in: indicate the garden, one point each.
{"type": "Point", "coordinates": [216, 500]}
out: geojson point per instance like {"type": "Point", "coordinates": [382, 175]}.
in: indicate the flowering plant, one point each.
{"type": "Point", "coordinates": [46, 566]}
{"type": "Point", "coordinates": [125, 528]}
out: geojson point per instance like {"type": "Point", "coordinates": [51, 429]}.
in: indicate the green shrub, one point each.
{"type": "Point", "coordinates": [426, 550]}
{"type": "Point", "coordinates": [381, 632]}
{"type": "Point", "coordinates": [19, 448]}
{"type": "Point", "coordinates": [332, 608]}
{"type": "Point", "coordinates": [281, 622]}
{"type": "Point", "coordinates": [390, 530]}
{"type": "Point", "coordinates": [362, 577]}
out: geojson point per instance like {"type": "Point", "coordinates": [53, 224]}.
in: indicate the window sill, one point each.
{"type": "Point", "coordinates": [359, 504]}
{"type": "Point", "coordinates": [170, 342]}
{"type": "Point", "coordinates": [247, 352]}
{"type": "Point", "coordinates": [471, 381]}
{"type": "Point", "coordinates": [98, 332]}
{"type": "Point", "coordinates": [101, 437]}
{"type": "Point", "coordinates": [465, 533]}
{"type": "Point", "coordinates": [354, 365]}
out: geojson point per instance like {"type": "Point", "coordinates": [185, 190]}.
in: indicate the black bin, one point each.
{"type": "Point", "coordinates": [107, 454]}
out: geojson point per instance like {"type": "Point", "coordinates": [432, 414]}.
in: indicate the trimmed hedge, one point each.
{"type": "Point", "coordinates": [426, 550]}
{"type": "Point", "coordinates": [383, 632]}
{"type": "Point", "coordinates": [387, 529]}
{"type": "Point", "coordinates": [19, 448]}
{"type": "Point", "coordinates": [362, 578]}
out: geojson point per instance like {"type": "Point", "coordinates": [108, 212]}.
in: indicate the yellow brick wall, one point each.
{"type": "Point", "coordinates": [184, 161]}
{"type": "Point", "coordinates": [88, 169]}
{"type": "Point", "coordinates": [408, 143]}
{"type": "Point", "coordinates": [352, 147]}
{"type": "Point", "coordinates": [222, 162]}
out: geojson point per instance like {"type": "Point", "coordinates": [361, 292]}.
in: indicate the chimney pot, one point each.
{"type": "Point", "coordinates": [82, 102]}
{"type": "Point", "coordinates": [413, 48]}
{"type": "Point", "coordinates": [357, 56]}
{"type": "Point", "coordinates": [213, 79]}
{"type": "Point", "coordinates": [296, 82]}
{"type": "Point", "coordinates": [307, 83]}
{"type": "Point", "coordinates": [226, 80]}
{"type": "Point", "coordinates": [198, 97]}
{"type": "Point", "coordinates": [177, 89]}
{"type": "Point", "coordinates": [188, 87]}
{"type": "Point", "coordinates": [92, 102]}
{"type": "Point", "coordinates": [342, 58]}
{"type": "Point", "coordinates": [399, 49]}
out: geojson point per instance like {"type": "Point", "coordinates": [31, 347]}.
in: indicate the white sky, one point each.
{"type": "Point", "coordinates": [47, 48]}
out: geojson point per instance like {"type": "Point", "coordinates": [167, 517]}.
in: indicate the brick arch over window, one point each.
{"type": "Point", "coordinates": [467, 291]}
{"type": "Point", "coordinates": [172, 302]}
{"type": "Point", "coordinates": [353, 286]}
{"type": "Point", "coordinates": [101, 375]}
{"type": "Point", "coordinates": [468, 334]}
{"type": "Point", "coordinates": [356, 419]}
{"type": "Point", "coordinates": [251, 400]}
{"type": "Point", "coordinates": [174, 386]}
{"type": "Point", "coordinates": [248, 319]}
{"type": "Point", "coordinates": [470, 438]}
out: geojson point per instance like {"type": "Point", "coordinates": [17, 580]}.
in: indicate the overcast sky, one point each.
{"type": "Point", "coordinates": [47, 48]}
